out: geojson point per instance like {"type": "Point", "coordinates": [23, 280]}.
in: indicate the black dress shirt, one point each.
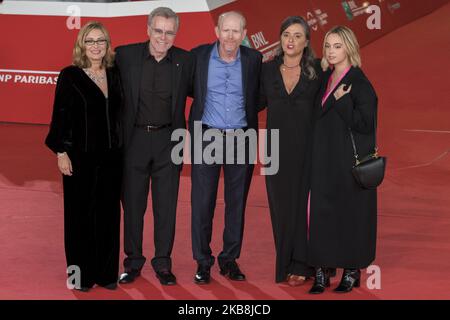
{"type": "Point", "coordinates": [155, 93]}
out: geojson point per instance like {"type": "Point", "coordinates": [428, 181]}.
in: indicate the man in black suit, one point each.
{"type": "Point", "coordinates": [225, 99]}
{"type": "Point", "coordinates": [156, 78]}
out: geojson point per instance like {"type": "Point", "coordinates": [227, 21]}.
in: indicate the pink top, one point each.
{"type": "Point", "coordinates": [330, 90]}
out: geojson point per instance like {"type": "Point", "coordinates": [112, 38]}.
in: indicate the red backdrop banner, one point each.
{"type": "Point", "coordinates": [32, 54]}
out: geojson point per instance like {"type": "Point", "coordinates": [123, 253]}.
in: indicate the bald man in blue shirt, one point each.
{"type": "Point", "coordinates": [226, 92]}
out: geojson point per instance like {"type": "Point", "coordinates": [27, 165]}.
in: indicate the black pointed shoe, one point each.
{"type": "Point", "coordinates": [166, 277]}
{"type": "Point", "coordinates": [232, 271]}
{"type": "Point", "coordinates": [321, 281]}
{"type": "Point", "coordinates": [129, 276]}
{"type": "Point", "coordinates": [350, 278]}
{"type": "Point", "coordinates": [203, 274]}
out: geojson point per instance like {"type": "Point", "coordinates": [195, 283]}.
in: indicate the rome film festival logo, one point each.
{"type": "Point", "coordinates": [316, 18]}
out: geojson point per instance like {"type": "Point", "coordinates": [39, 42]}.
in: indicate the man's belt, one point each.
{"type": "Point", "coordinates": [150, 127]}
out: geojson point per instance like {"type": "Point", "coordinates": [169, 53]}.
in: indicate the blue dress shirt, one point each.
{"type": "Point", "coordinates": [224, 103]}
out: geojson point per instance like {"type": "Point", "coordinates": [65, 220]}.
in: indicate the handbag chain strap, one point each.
{"type": "Point", "coordinates": [355, 153]}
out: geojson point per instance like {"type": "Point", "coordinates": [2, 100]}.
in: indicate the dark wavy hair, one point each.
{"type": "Point", "coordinates": [308, 57]}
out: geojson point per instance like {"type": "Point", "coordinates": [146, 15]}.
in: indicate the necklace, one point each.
{"type": "Point", "coordinates": [96, 78]}
{"type": "Point", "coordinates": [289, 67]}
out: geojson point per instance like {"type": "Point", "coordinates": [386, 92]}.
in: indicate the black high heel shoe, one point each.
{"type": "Point", "coordinates": [350, 278]}
{"type": "Point", "coordinates": [321, 281]}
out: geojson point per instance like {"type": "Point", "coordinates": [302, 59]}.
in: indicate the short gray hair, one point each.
{"type": "Point", "coordinates": [232, 13]}
{"type": "Point", "coordinates": [163, 12]}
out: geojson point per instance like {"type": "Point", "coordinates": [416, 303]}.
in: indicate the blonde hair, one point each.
{"type": "Point", "coordinates": [79, 57]}
{"type": "Point", "coordinates": [350, 44]}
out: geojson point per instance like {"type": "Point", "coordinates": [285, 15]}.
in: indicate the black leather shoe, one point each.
{"type": "Point", "coordinates": [166, 277]}
{"type": "Point", "coordinates": [82, 289]}
{"type": "Point", "coordinates": [231, 269]}
{"type": "Point", "coordinates": [129, 276]}
{"type": "Point", "coordinates": [350, 278]}
{"type": "Point", "coordinates": [321, 281]}
{"type": "Point", "coordinates": [203, 275]}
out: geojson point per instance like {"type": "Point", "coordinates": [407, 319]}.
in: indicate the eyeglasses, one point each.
{"type": "Point", "coordinates": [99, 42]}
{"type": "Point", "coordinates": [160, 33]}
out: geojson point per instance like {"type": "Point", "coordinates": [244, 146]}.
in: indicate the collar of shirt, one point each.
{"type": "Point", "coordinates": [147, 54]}
{"type": "Point", "coordinates": [215, 55]}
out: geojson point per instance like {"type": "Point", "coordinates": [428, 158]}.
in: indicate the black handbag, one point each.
{"type": "Point", "coordinates": [369, 170]}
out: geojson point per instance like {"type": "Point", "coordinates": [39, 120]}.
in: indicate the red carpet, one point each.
{"type": "Point", "coordinates": [406, 68]}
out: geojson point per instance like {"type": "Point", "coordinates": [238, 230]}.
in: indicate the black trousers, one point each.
{"type": "Point", "coordinates": [205, 180]}
{"type": "Point", "coordinates": [92, 216]}
{"type": "Point", "coordinates": [148, 158]}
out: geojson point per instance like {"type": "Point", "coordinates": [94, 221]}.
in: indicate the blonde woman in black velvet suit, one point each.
{"type": "Point", "coordinates": [85, 135]}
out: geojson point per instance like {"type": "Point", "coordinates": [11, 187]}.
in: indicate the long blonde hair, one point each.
{"type": "Point", "coordinates": [79, 57]}
{"type": "Point", "coordinates": [350, 43]}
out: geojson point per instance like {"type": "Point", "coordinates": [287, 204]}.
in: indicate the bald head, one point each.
{"type": "Point", "coordinates": [231, 15]}
{"type": "Point", "coordinates": [230, 32]}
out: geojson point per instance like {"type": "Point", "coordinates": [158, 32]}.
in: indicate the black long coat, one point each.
{"type": "Point", "coordinates": [343, 216]}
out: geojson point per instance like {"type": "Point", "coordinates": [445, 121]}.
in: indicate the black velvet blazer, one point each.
{"type": "Point", "coordinates": [83, 119]}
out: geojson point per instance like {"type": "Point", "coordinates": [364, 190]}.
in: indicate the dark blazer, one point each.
{"type": "Point", "coordinates": [251, 69]}
{"type": "Point", "coordinates": [130, 59]}
{"type": "Point", "coordinates": [82, 119]}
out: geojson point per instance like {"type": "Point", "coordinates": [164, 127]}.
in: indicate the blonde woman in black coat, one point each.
{"type": "Point", "coordinates": [343, 216]}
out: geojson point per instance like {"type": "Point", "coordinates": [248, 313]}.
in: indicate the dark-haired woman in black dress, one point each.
{"type": "Point", "coordinates": [289, 86]}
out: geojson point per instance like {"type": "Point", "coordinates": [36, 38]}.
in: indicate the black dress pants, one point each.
{"type": "Point", "coordinates": [148, 158]}
{"type": "Point", "coordinates": [205, 179]}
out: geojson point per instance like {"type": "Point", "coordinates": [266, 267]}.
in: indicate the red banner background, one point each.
{"type": "Point", "coordinates": [43, 43]}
